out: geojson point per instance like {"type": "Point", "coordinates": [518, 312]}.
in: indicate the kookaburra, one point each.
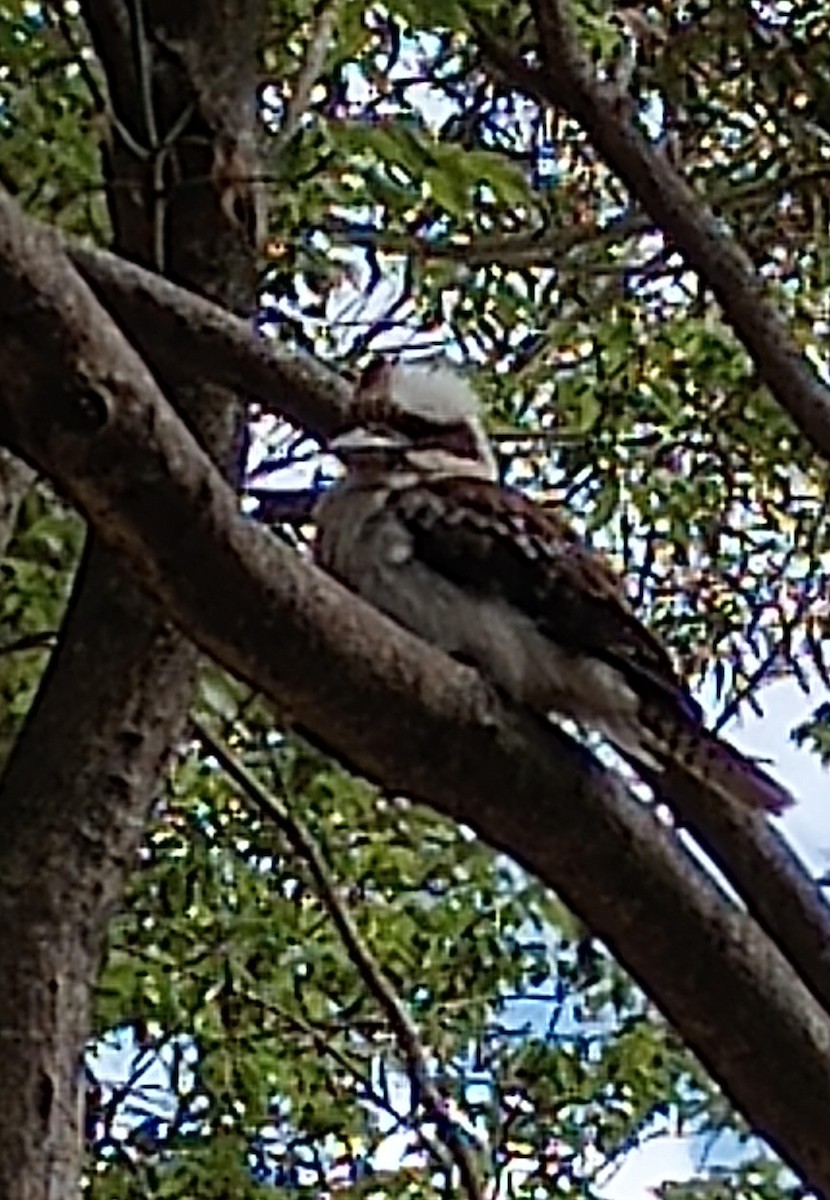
{"type": "Point", "coordinates": [421, 528]}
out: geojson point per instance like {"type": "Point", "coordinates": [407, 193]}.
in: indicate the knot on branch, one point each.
{"type": "Point", "coordinates": [88, 410]}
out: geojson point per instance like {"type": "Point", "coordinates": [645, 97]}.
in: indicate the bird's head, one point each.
{"type": "Point", "coordinates": [415, 418]}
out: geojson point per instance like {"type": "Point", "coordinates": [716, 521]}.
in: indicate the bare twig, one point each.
{"type": "Point", "coordinates": [310, 72]}
{"type": "Point", "coordinates": [550, 246]}
{"type": "Point", "coordinates": [57, 10]}
{"type": "Point", "coordinates": [766, 872]}
{"type": "Point", "coordinates": [567, 79]}
{"type": "Point", "coordinates": [369, 968]}
{"type": "Point", "coordinates": [99, 97]}
{"type": "Point", "coordinates": [144, 75]}
{"type": "Point", "coordinates": [88, 413]}
{"type": "Point", "coordinates": [324, 1045]}
{"type": "Point", "coordinates": [31, 641]}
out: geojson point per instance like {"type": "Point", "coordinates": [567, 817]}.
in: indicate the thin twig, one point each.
{"type": "Point", "coordinates": [99, 98]}
{"type": "Point", "coordinates": [76, 50]}
{"type": "Point", "coordinates": [324, 1046]}
{"type": "Point", "coordinates": [543, 247]}
{"type": "Point", "coordinates": [368, 966]}
{"type": "Point", "coordinates": [788, 626]}
{"type": "Point", "coordinates": [310, 72]}
{"type": "Point", "coordinates": [144, 73]}
{"type": "Point", "coordinates": [44, 640]}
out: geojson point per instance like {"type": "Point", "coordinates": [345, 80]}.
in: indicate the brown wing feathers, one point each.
{"type": "Point", "coordinates": [494, 539]}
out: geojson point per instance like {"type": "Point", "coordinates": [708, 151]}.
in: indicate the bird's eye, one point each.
{"type": "Point", "coordinates": [458, 439]}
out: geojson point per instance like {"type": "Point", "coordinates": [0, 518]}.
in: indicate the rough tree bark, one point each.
{"type": "Point", "coordinates": [182, 82]}
{"type": "Point", "coordinates": [567, 79]}
{"type": "Point", "coordinates": [15, 478]}
{"type": "Point", "coordinates": [77, 789]}
{"type": "Point", "coordinates": [172, 325]}
{"type": "Point", "coordinates": [356, 680]}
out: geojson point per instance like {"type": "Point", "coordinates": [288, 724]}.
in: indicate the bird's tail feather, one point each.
{"type": "Point", "coordinates": [678, 742]}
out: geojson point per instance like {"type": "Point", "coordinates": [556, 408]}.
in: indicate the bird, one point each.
{"type": "Point", "coordinates": [421, 527]}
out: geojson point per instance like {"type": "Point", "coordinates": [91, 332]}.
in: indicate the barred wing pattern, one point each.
{"type": "Point", "coordinates": [496, 542]}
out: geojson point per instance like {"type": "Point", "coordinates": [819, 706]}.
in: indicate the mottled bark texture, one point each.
{"type": "Point", "coordinates": [399, 711]}
{"type": "Point", "coordinates": [15, 479]}
{"type": "Point", "coordinates": [175, 326]}
{"type": "Point", "coordinates": [74, 798]}
{"type": "Point", "coordinates": [85, 410]}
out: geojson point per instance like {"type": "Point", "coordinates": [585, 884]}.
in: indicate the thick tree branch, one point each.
{"type": "Point", "coordinates": [568, 80]}
{"type": "Point", "coordinates": [85, 766]}
{"type": "Point", "coordinates": [751, 853]}
{"type": "Point", "coordinates": [186, 332]}
{"type": "Point", "coordinates": [86, 410]}
{"type": "Point", "coordinates": [767, 874]}
{"type": "Point", "coordinates": [189, 336]}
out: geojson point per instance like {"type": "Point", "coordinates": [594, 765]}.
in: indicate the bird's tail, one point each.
{"type": "Point", "coordinates": [676, 741]}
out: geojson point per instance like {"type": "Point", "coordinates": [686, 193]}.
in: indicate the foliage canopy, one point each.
{"type": "Point", "coordinates": [415, 204]}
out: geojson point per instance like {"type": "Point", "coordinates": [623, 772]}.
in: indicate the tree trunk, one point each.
{"type": "Point", "coordinates": [86, 766]}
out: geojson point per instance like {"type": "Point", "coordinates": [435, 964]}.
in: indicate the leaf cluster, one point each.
{"type": "Point", "coordinates": [418, 205]}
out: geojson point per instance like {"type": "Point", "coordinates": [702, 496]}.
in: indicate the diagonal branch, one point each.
{"type": "Point", "coordinates": [85, 409]}
{"type": "Point", "coordinates": [368, 967]}
{"type": "Point", "coordinates": [311, 70]}
{"type": "Point", "coordinates": [751, 853]}
{"type": "Point", "coordinates": [183, 330]}
{"type": "Point", "coordinates": [568, 80]}
{"type": "Point", "coordinates": [761, 865]}
{"type": "Point", "coordinates": [549, 247]}
{"type": "Point", "coordinates": [187, 335]}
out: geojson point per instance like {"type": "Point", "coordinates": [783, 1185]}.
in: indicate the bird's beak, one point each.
{"type": "Point", "coordinates": [362, 440]}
